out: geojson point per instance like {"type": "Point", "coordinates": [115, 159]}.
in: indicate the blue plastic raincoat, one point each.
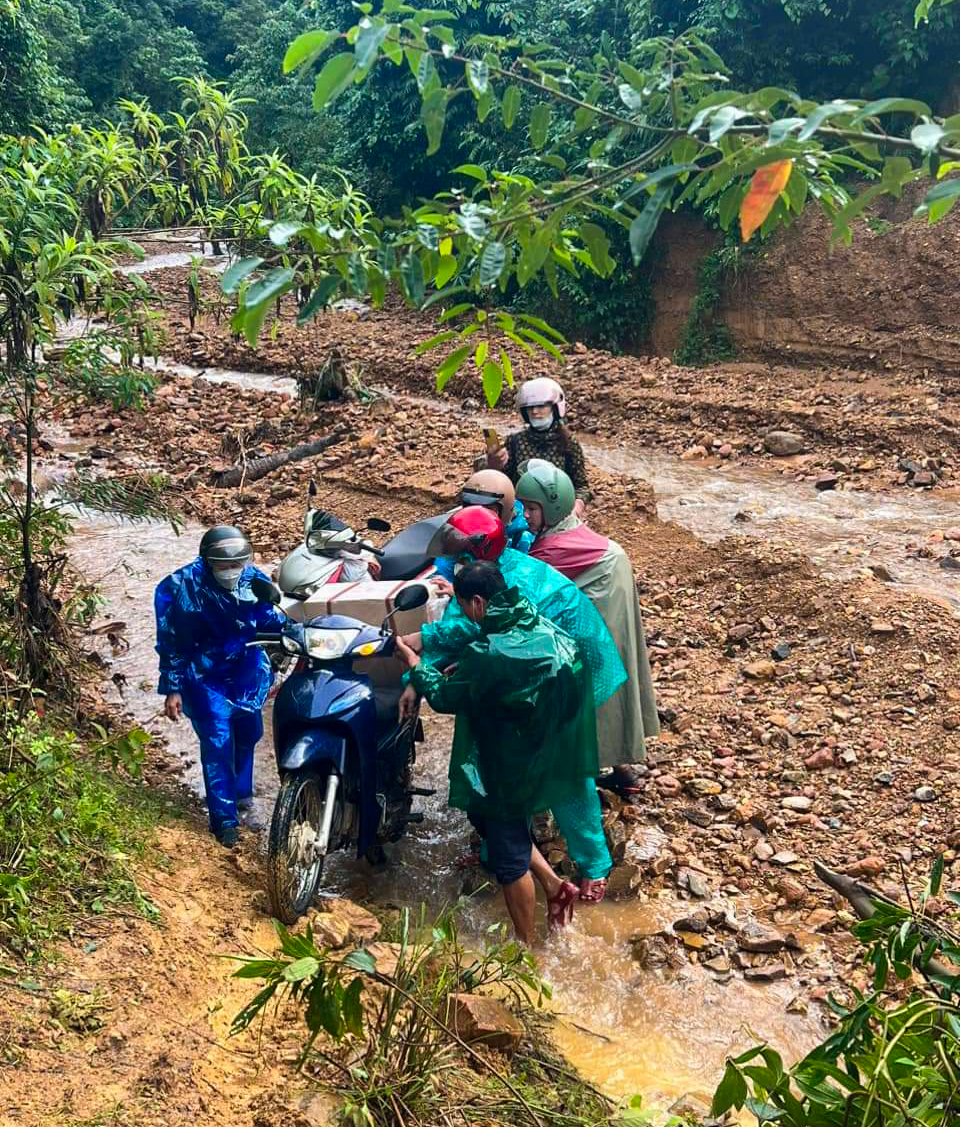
{"type": "Point", "coordinates": [202, 631]}
{"type": "Point", "coordinates": [519, 537]}
{"type": "Point", "coordinates": [557, 598]}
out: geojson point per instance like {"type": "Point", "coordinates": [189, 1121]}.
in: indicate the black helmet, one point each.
{"type": "Point", "coordinates": [225, 544]}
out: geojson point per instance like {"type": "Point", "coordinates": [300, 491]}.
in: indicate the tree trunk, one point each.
{"type": "Point", "coordinates": [260, 467]}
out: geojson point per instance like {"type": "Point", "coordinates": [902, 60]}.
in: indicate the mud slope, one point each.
{"type": "Point", "coordinates": [887, 302]}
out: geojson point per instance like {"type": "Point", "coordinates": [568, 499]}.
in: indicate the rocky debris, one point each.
{"type": "Point", "coordinates": [925, 794]}
{"type": "Point", "coordinates": [757, 939]}
{"type": "Point", "coordinates": [475, 1018]}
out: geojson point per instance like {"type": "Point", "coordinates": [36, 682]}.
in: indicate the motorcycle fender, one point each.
{"type": "Point", "coordinates": [316, 745]}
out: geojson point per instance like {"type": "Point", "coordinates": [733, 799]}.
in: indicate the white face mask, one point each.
{"type": "Point", "coordinates": [542, 424]}
{"type": "Point", "coordinates": [229, 579]}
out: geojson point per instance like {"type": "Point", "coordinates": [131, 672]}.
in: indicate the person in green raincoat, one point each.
{"type": "Point", "coordinates": [525, 734]}
{"type": "Point", "coordinates": [476, 533]}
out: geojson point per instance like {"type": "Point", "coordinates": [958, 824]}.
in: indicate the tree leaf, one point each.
{"type": "Point", "coordinates": [491, 263]}
{"type": "Point", "coordinates": [540, 124]}
{"type": "Point", "coordinates": [278, 281]}
{"type": "Point", "coordinates": [478, 77]}
{"type": "Point", "coordinates": [539, 323]}
{"type": "Point", "coordinates": [891, 105]}
{"type": "Point", "coordinates": [362, 961]}
{"type": "Point", "coordinates": [511, 104]}
{"type": "Point", "coordinates": [723, 120]}
{"type": "Point", "coordinates": [455, 311]}
{"type": "Point", "coordinates": [368, 43]}
{"type": "Point", "coordinates": [492, 382]}
{"type": "Point", "coordinates": [507, 367]}
{"type": "Point", "coordinates": [282, 233]}
{"type": "Point", "coordinates": [323, 290]}
{"type": "Point", "coordinates": [765, 1113]}
{"type": "Point", "coordinates": [927, 136]}
{"type": "Point", "coordinates": [435, 341]}
{"type": "Point", "coordinates": [233, 276]}
{"type": "Point", "coordinates": [306, 48]}
{"type": "Point", "coordinates": [303, 968]}
{"type": "Point", "coordinates": [434, 113]}
{"type": "Point", "coordinates": [598, 246]}
{"type": "Point", "coordinates": [473, 170]}
{"type": "Point", "coordinates": [333, 79]}
{"type": "Point", "coordinates": [823, 114]}
{"type": "Point", "coordinates": [413, 280]}
{"type": "Point", "coordinates": [731, 1092]}
{"type": "Point", "coordinates": [643, 227]}
{"type": "Point", "coordinates": [766, 184]}
{"type": "Point", "coordinates": [445, 271]}
{"type": "Point", "coordinates": [450, 365]}
{"type": "Point", "coordinates": [939, 200]}
{"type": "Point", "coordinates": [352, 1008]}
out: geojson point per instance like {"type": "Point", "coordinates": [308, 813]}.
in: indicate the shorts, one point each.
{"type": "Point", "coordinates": [509, 846]}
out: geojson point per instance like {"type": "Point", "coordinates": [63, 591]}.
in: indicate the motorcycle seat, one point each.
{"type": "Point", "coordinates": [405, 556]}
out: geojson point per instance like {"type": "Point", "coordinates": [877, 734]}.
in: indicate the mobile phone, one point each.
{"type": "Point", "coordinates": [493, 439]}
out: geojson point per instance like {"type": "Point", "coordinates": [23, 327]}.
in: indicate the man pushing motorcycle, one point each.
{"type": "Point", "coordinates": [206, 615]}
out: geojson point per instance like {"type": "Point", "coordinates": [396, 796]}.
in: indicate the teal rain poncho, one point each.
{"type": "Point", "coordinates": [558, 600]}
{"type": "Point", "coordinates": [525, 736]}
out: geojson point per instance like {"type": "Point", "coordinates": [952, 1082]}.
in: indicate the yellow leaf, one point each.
{"type": "Point", "coordinates": [765, 186]}
{"type": "Point", "coordinates": [446, 246]}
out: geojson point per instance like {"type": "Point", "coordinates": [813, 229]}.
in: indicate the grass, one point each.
{"type": "Point", "coordinates": [73, 820]}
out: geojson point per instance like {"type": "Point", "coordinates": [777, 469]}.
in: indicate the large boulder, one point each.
{"type": "Point", "coordinates": [476, 1018]}
{"type": "Point", "coordinates": [783, 443]}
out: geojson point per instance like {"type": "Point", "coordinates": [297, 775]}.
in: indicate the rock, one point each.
{"type": "Point", "coordinates": [623, 880]}
{"type": "Point", "coordinates": [720, 964]}
{"type": "Point", "coordinates": [725, 451]}
{"type": "Point", "coordinates": [692, 940]}
{"type": "Point", "coordinates": [669, 786]}
{"type": "Point", "coordinates": [826, 481]}
{"type": "Point", "coordinates": [664, 601]}
{"type": "Point", "coordinates": [477, 1018]}
{"type": "Point", "coordinates": [704, 787]}
{"type": "Point", "coordinates": [820, 760]}
{"type": "Point", "coordinates": [769, 972]}
{"type": "Point", "coordinates": [820, 919]}
{"type": "Point", "coordinates": [848, 758]}
{"type": "Point", "coordinates": [654, 952]}
{"type": "Point", "coordinates": [697, 922]}
{"type": "Point", "coordinates": [882, 628]}
{"type": "Point", "coordinates": [791, 890]}
{"type": "Point", "coordinates": [781, 651]}
{"type": "Point", "coordinates": [318, 1109]}
{"type": "Point", "coordinates": [329, 929]}
{"type": "Point", "coordinates": [923, 479]}
{"type": "Point", "coordinates": [693, 453]}
{"type": "Point", "coordinates": [749, 811]}
{"type": "Point", "coordinates": [386, 956]}
{"type": "Point", "coordinates": [785, 857]}
{"type": "Point", "coordinates": [701, 818]}
{"type": "Point", "coordinates": [759, 939]}
{"type": "Point", "coordinates": [364, 925]}
{"type": "Point", "coordinates": [798, 803]}
{"type": "Point", "coordinates": [949, 563]}
{"type": "Point", "coordinates": [760, 670]}
{"type": "Point", "coordinates": [952, 534]}
{"type": "Point", "coordinates": [925, 794]}
{"type": "Point", "coordinates": [783, 443]}
{"type": "Point", "coordinates": [883, 573]}
{"type": "Point", "coordinates": [763, 851]}
{"type": "Point", "coordinates": [741, 631]}
{"type": "Point", "coordinates": [871, 866]}
{"type": "Point", "coordinates": [693, 882]}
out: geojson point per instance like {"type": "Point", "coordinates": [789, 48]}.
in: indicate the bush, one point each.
{"type": "Point", "coordinates": [71, 818]}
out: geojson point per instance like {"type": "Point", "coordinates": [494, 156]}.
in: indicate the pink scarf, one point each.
{"type": "Point", "coordinates": [570, 551]}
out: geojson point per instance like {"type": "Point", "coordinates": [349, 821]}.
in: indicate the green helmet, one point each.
{"type": "Point", "coordinates": [549, 487]}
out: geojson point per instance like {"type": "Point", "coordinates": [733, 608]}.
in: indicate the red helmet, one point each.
{"type": "Point", "coordinates": [473, 531]}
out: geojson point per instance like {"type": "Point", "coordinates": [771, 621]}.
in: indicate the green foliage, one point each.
{"type": "Point", "coordinates": [706, 339]}
{"type": "Point", "coordinates": [69, 827]}
{"type": "Point", "coordinates": [401, 1048]}
{"type": "Point", "coordinates": [887, 1061]}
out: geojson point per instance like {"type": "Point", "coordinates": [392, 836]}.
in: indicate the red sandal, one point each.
{"type": "Point", "coordinates": [560, 907]}
{"type": "Point", "coordinates": [593, 891]}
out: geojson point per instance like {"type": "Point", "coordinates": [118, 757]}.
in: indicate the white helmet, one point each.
{"type": "Point", "coordinates": [541, 391]}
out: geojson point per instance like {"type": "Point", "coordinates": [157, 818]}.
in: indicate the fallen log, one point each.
{"type": "Point", "coordinates": [260, 467]}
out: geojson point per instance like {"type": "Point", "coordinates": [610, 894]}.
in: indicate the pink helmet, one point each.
{"type": "Point", "coordinates": [543, 390]}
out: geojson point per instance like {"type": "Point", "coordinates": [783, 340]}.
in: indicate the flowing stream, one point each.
{"type": "Point", "coordinates": [627, 1031]}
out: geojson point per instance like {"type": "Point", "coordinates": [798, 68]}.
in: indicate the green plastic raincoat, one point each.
{"type": "Point", "coordinates": [557, 598]}
{"type": "Point", "coordinates": [525, 735]}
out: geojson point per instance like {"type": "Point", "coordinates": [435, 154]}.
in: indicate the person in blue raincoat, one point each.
{"type": "Point", "coordinates": [491, 490]}
{"type": "Point", "coordinates": [206, 614]}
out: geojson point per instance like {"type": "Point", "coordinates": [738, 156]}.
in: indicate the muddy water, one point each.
{"type": "Point", "coordinates": [627, 1031]}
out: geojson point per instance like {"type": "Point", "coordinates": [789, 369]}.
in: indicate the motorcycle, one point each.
{"type": "Point", "coordinates": [344, 757]}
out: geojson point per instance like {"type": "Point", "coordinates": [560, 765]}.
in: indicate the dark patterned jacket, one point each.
{"type": "Point", "coordinates": [548, 445]}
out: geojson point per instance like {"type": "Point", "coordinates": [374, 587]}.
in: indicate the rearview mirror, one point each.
{"type": "Point", "coordinates": [375, 524]}
{"type": "Point", "coordinates": [411, 597]}
{"type": "Point", "coordinates": [266, 592]}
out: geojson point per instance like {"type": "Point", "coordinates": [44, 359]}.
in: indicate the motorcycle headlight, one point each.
{"type": "Point", "coordinates": [328, 644]}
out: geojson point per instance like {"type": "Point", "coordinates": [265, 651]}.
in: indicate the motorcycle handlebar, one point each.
{"type": "Point", "coordinates": [273, 637]}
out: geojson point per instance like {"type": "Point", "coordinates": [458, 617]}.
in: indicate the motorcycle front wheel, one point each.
{"type": "Point", "coordinates": [294, 867]}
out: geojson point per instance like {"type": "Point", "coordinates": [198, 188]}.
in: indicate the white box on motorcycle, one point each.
{"type": "Point", "coordinates": [370, 601]}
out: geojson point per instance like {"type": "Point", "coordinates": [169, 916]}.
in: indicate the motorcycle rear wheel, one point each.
{"type": "Point", "coordinates": [293, 872]}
